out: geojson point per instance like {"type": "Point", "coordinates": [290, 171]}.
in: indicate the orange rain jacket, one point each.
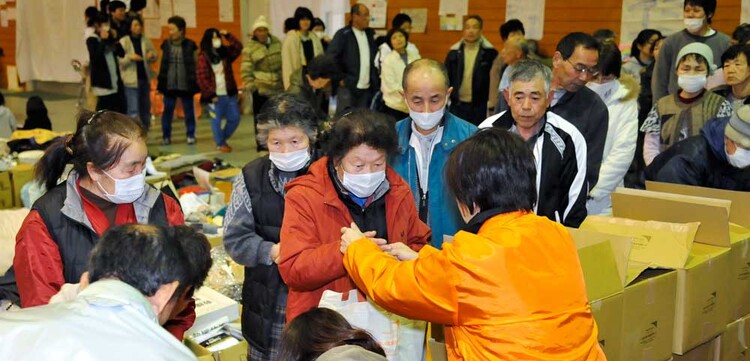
{"type": "Point", "coordinates": [514, 291]}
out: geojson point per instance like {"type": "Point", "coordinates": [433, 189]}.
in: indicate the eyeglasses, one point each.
{"type": "Point", "coordinates": [580, 68]}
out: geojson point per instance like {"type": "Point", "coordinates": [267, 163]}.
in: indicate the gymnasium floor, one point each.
{"type": "Point", "coordinates": [62, 110]}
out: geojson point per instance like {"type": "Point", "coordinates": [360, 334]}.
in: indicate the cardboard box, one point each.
{"type": "Point", "coordinates": [6, 191]}
{"type": "Point", "coordinates": [237, 352]}
{"type": "Point", "coordinates": [608, 315]}
{"type": "Point", "coordinates": [735, 341]}
{"type": "Point", "coordinates": [648, 316]}
{"type": "Point", "coordinates": [709, 351]}
{"type": "Point", "coordinates": [701, 303]}
{"type": "Point", "coordinates": [20, 175]}
{"type": "Point", "coordinates": [739, 238]}
{"type": "Point", "coordinates": [211, 308]}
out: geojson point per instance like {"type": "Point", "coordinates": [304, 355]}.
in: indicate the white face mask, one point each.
{"type": "Point", "coordinates": [216, 43]}
{"type": "Point", "coordinates": [691, 83]}
{"type": "Point", "coordinates": [126, 190]}
{"type": "Point", "coordinates": [604, 90]}
{"type": "Point", "coordinates": [291, 161]}
{"type": "Point", "coordinates": [363, 185]}
{"type": "Point", "coordinates": [320, 34]}
{"type": "Point", "coordinates": [740, 158]}
{"type": "Point", "coordinates": [105, 27]}
{"type": "Point", "coordinates": [693, 25]}
{"type": "Point", "coordinates": [427, 121]}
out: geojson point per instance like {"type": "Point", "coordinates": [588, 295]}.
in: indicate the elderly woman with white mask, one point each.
{"type": "Point", "coordinates": [255, 213]}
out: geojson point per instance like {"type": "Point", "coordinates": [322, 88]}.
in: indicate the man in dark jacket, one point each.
{"type": "Point", "coordinates": [177, 78]}
{"type": "Point", "coordinates": [573, 65]}
{"type": "Point", "coordinates": [469, 63]}
{"type": "Point", "coordinates": [106, 84]}
{"type": "Point", "coordinates": [353, 47]}
{"type": "Point", "coordinates": [559, 148]}
{"type": "Point", "coordinates": [717, 158]}
{"type": "Point", "coordinates": [314, 83]}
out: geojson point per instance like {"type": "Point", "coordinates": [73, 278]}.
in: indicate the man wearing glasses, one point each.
{"type": "Point", "coordinates": [573, 65]}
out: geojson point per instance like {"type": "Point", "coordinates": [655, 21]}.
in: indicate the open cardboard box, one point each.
{"type": "Point", "coordinates": [739, 237]}
{"type": "Point", "coordinates": [237, 352]}
{"type": "Point", "coordinates": [702, 302]}
{"type": "Point", "coordinates": [633, 307]}
{"type": "Point", "coordinates": [735, 341]}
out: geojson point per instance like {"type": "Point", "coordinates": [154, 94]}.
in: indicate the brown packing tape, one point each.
{"type": "Point", "coordinates": [713, 214]}
{"type": "Point", "coordinates": [740, 208]}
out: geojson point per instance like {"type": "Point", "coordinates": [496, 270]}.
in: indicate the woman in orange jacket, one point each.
{"type": "Point", "coordinates": [352, 184]}
{"type": "Point", "coordinates": [509, 287]}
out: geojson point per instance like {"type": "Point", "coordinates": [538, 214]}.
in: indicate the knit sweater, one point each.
{"type": "Point", "coordinates": [261, 67]}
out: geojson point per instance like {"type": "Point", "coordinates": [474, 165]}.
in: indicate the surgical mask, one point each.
{"type": "Point", "coordinates": [604, 90]}
{"type": "Point", "coordinates": [126, 190]}
{"type": "Point", "coordinates": [363, 185]}
{"type": "Point", "coordinates": [740, 158]}
{"type": "Point", "coordinates": [320, 34]}
{"type": "Point", "coordinates": [691, 83]}
{"type": "Point", "coordinates": [291, 161]}
{"type": "Point", "coordinates": [693, 25]}
{"type": "Point", "coordinates": [427, 121]}
{"type": "Point", "coordinates": [216, 43]}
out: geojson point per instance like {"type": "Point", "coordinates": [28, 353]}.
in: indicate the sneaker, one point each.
{"type": "Point", "coordinates": [166, 141]}
{"type": "Point", "coordinates": [190, 140]}
{"type": "Point", "coordinates": [224, 149]}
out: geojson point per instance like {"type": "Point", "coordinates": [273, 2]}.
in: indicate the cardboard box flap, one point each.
{"type": "Point", "coordinates": [739, 211]}
{"type": "Point", "coordinates": [713, 214]}
{"type": "Point", "coordinates": [604, 261]}
{"type": "Point", "coordinates": [657, 244]}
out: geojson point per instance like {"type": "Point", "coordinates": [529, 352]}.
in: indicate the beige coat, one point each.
{"type": "Point", "coordinates": [292, 55]}
{"type": "Point", "coordinates": [261, 67]}
{"type": "Point", "coordinates": [129, 68]}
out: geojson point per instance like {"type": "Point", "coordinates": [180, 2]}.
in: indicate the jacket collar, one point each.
{"type": "Point", "coordinates": [494, 215]}
{"type": "Point", "coordinates": [483, 43]}
{"type": "Point", "coordinates": [115, 293]}
{"type": "Point", "coordinates": [449, 139]}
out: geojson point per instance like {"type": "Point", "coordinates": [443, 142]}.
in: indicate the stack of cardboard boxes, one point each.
{"type": "Point", "coordinates": [677, 286]}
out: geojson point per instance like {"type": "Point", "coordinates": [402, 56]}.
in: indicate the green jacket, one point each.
{"type": "Point", "coordinates": [261, 67]}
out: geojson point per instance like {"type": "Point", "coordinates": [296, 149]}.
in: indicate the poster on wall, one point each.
{"type": "Point", "coordinates": [226, 11]}
{"type": "Point", "coordinates": [531, 14]}
{"type": "Point", "coordinates": [418, 19]}
{"type": "Point", "coordinates": [152, 28]}
{"type": "Point", "coordinates": [745, 14]}
{"type": "Point", "coordinates": [450, 22]}
{"type": "Point", "coordinates": [663, 15]}
{"type": "Point", "coordinates": [378, 18]}
{"type": "Point", "coordinates": [186, 9]}
{"type": "Point", "coordinates": [458, 8]}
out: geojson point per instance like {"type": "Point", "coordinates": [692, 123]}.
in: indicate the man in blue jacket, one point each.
{"type": "Point", "coordinates": [426, 138]}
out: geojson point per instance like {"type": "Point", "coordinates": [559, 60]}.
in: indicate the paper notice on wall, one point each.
{"type": "Point", "coordinates": [455, 7]}
{"type": "Point", "coordinates": [418, 19]}
{"type": "Point", "coordinates": [153, 28]}
{"type": "Point", "coordinates": [4, 18]}
{"type": "Point", "coordinates": [165, 11]}
{"type": "Point", "coordinates": [745, 14]}
{"type": "Point", "coordinates": [378, 18]}
{"type": "Point", "coordinates": [12, 15]}
{"type": "Point", "coordinates": [152, 9]}
{"type": "Point", "coordinates": [226, 11]}
{"type": "Point", "coordinates": [663, 15]}
{"type": "Point", "coordinates": [450, 22]}
{"type": "Point", "coordinates": [186, 9]}
{"type": "Point", "coordinates": [531, 14]}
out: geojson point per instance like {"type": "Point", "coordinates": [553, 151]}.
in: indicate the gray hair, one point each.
{"type": "Point", "coordinates": [283, 111]}
{"type": "Point", "coordinates": [527, 70]}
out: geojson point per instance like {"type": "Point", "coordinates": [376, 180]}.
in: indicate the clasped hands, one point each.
{"type": "Point", "coordinates": [398, 250]}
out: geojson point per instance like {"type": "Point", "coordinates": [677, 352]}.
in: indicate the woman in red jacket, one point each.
{"type": "Point", "coordinates": [106, 187]}
{"type": "Point", "coordinates": [351, 184]}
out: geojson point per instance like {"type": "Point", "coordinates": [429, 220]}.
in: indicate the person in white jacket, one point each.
{"type": "Point", "coordinates": [136, 70]}
{"type": "Point", "coordinates": [300, 45]}
{"type": "Point", "coordinates": [392, 73]}
{"type": "Point", "coordinates": [619, 91]}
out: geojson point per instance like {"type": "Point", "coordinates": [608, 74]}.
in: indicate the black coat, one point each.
{"type": "Point", "coordinates": [97, 48]}
{"type": "Point", "coordinates": [480, 81]}
{"type": "Point", "coordinates": [189, 51]}
{"type": "Point", "coordinates": [345, 50]}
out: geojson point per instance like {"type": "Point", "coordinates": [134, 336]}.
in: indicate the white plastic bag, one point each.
{"type": "Point", "coordinates": [401, 338]}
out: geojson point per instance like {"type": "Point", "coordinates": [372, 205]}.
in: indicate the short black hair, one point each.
{"type": "Point", "coordinates": [137, 5]}
{"type": "Point", "coordinates": [511, 26]}
{"type": "Point", "coordinates": [141, 255]}
{"type": "Point", "coordinates": [610, 60]}
{"type": "Point", "coordinates": [400, 19]}
{"type": "Point", "coordinates": [570, 42]}
{"type": "Point", "coordinates": [198, 253]}
{"type": "Point", "coordinates": [116, 4]}
{"type": "Point", "coordinates": [644, 36]}
{"type": "Point", "coordinates": [178, 21]}
{"type": "Point", "coordinates": [604, 35]}
{"type": "Point", "coordinates": [390, 33]}
{"type": "Point", "coordinates": [491, 160]}
{"type": "Point", "coordinates": [100, 18]}
{"type": "Point", "coordinates": [477, 18]}
{"type": "Point", "coordinates": [709, 7]}
{"type": "Point", "coordinates": [361, 126]}
{"type": "Point", "coordinates": [734, 51]}
{"type": "Point", "coordinates": [742, 33]}
{"type": "Point", "coordinates": [91, 13]}
{"type": "Point", "coordinates": [324, 66]}
{"type": "Point", "coordinates": [303, 13]}
{"type": "Point", "coordinates": [318, 22]}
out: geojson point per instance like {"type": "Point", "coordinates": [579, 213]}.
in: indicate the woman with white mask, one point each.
{"type": "Point", "coordinates": [106, 188]}
{"type": "Point", "coordinates": [619, 91]}
{"type": "Point", "coordinates": [681, 115]}
{"type": "Point", "coordinates": [254, 218]}
{"type": "Point", "coordinates": [352, 184]}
